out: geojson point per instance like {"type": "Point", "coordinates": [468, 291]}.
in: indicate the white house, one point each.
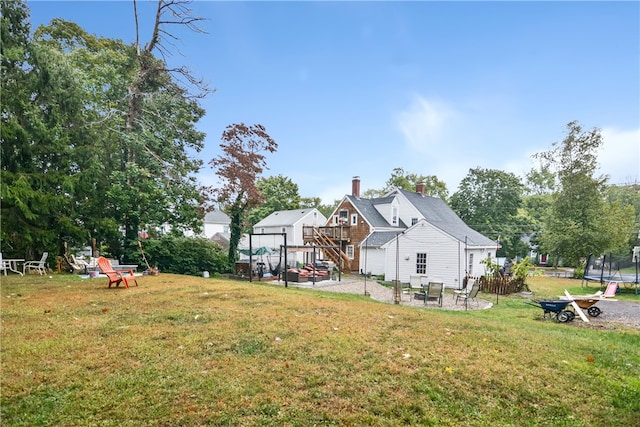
{"type": "Point", "coordinates": [437, 245]}
{"type": "Point", "coordinates": [289, 222]}
{"type": "Point", "coordinates": [216, 222]}
{"type": "Point", "coordinates": [406, 233]}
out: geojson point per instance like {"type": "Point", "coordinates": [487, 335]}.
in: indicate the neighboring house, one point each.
{"type": "Point", "coordinates": [216, 222]}
{"type": "Point", "coordinates": [290, 222]}
{"type": "Point", "coordinates": [402, 234]}
{"type": "Point", "coordinates": [216, 228]}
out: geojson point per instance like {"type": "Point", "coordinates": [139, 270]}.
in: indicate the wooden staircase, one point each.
{"type": "Point", "coordinates": [336, 255]}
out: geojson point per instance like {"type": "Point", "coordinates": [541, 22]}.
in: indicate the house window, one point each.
{"type": "Point", "coordinates": [414, 221]}
{"type": "Point", "coordinates": [350, 251]}
{"type": "Point", "coordinates": [354, 219]}
{"type": "Point", "coordinates": [470, 266]}
{"type": "Point", "coordinates": [421, 263]}
{"type": "Point", "coordinates": [394, 215]}
{"type": "Point", "coordinates": [343, 216]}
{"type": "Point", "coordinates": [335, 220]}
{"type": "Point", "coordinates": [225, 229]}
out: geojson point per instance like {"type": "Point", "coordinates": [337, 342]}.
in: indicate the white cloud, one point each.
{"type": "Point", "coordinates": [619, 156]}
{"type": "Point", "coordinates": [423, 123]}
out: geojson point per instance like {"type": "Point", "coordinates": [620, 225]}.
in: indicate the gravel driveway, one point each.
{"type": "Point", "coordinates": [613, 312]}
{"type": "Point", "coordinates": [618, 312]}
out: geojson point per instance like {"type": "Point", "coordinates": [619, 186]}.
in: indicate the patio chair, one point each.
{"type": "Point", "coordinates": [467, 284]}
{"type": "Point", "coordinates": [115, 277]}
{"type": "Point", "coordinates": [415, 284]}
{"type": "Point", "coordinates": [38, 266]}
{"type": "Point", "coordinates": [471, 295]}
{"type": "Point", "coordinates": [79, 265]}
{"type": "Point", "coordinates": [3, 266]}
{"type": "Point", "coordinates": [434, 291]}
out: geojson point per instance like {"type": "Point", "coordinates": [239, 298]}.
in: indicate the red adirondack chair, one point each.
{"type": "Point", "coordinates": [116, 277]}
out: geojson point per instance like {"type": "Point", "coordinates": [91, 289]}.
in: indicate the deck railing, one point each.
{"type": "Point", "coordinates": [336, 233]}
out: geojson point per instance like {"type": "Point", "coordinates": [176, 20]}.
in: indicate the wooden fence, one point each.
{"type": "Point", "coordinates": [501, 285]}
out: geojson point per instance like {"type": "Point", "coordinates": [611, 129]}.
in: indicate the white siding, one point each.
{"type": "Point", "coordinates": [372, 260]}
{"type": "Point", "coordinates": [444, 261]}
{"type": "Point", "coordinates": [387, 209]}
{"type": "Point", "coordinates": [407, 211]}
{"type": "Point", "coordinates": [294, 235]}
{"type": "Point", "coordinates": [212, 228]}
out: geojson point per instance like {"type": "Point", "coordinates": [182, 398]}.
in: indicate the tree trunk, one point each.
{"type": "Point", "coordinates": [236, 231]}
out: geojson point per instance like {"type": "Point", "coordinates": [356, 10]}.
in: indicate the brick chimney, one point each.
{"type": "Point", "coordinates": [420, 188]}
{"type": "Point", "coordinates": [355, 186]}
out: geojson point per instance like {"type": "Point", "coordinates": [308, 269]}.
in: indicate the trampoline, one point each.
{"type": "Point", "coordinates": [609, 268]}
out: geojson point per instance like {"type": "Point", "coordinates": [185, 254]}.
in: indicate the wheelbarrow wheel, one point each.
{"type": "Point", "coordinates": [571, 314]}
{"type": "Point", "coordinates": [563, 316]}
{"type": "Point", "coordinates": [594, 311]}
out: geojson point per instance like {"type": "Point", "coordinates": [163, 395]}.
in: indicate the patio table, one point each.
{"type": "Point", "coordinates": [12, 264]}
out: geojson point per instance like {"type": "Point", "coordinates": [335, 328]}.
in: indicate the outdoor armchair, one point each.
{"type": "Point", "coordinates": [38, 266]}
{"type": "Point", "coordinates": [434, 291]}
{"type": "Point", "coordinates": [116, 277]}
{"type": "Point", "coordinates": [472, 294]}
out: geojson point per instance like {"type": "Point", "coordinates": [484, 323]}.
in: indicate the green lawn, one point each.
{"type": "Point", "coordinates": [186, 351]}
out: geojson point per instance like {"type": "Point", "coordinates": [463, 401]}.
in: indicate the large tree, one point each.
{"type": "Point", "coordinates": [325, 209]}
{"type": "Point", "coordinates": [627, 195]}
{"type": "Point", "coordinates": [409, 181]}
{"type": "Point", "coordinates": [489, 200]}
{"type": "Point", "coordinates": [95, 134]}
{"type": "Point", "coordinates": [540, 184]}
{"type": "Point", "coordinates": [279, 193]}
{"type": "Point", "coordinates": [580, 221]}
{"type": "Point", "coordinates": [161, 112]}
{"type": "Point", "coordinates": [43, 116]}
{"type": "Point", "coordinates": [238, 167]}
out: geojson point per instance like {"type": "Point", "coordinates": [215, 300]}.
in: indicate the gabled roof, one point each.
{"type": "Point", "coordinates": [367, 208]}
{"type": "Point", "coordinates": [434, 210]}
{"type": "Point", "coordinates": [217, 217]}
{"type": "Point", "coordinates": [439, 214]}
{"type": "Point", "coordinates": [290, 217]}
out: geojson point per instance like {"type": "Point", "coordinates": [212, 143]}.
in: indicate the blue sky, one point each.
{"type": "Point", "coordinates": [437, 88]}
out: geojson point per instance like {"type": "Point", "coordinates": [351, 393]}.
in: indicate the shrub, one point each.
{"type": "Point", "coordinates": [491, 268]}
{"type": "Point", "coordinates": [521, 268]}
{"type": "Point", "coordinates": [182, 255]}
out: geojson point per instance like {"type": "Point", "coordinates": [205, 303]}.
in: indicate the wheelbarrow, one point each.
{"type": "Point", "coordinates": [589, 305]}
{"type": "Point", "coordinates": [556, 309]}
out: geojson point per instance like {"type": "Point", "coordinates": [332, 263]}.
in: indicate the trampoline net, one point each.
{"type": "Point", "coordinates": [611, 267]}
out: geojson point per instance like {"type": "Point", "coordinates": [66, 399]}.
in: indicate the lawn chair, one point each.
{"type": "Point", "coordinates": [79, 265]}
{"type": "Point", "coordinates": [471, 295]}
{"type": "Point", "coordinates": [434, 291]}
{"type": "Point", "coordinates": [3, 266]}
{"type": "Point", "coordinates": [116, 277]}
{"type": "Point", "coordinates": [415, 284]}
{"type": "Point", "coordinates": [467, 284]}
{"type": "Point", "coordinates": [38, 266]}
